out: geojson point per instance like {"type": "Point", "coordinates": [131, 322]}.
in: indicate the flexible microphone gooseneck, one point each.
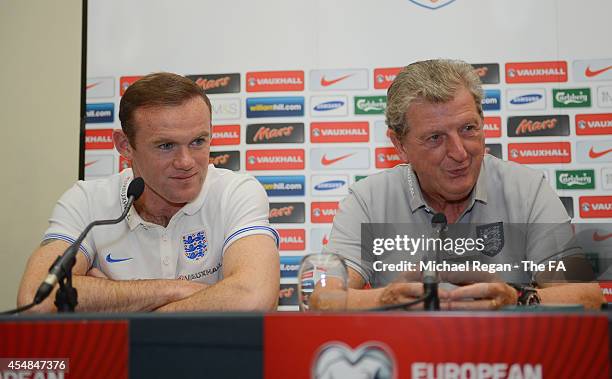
{"type": "Point", "coordinates": [430, 278]}
{"type": "Point", "coordinates": [63, 264]}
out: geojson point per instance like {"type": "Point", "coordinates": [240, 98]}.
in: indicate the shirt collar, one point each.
{"type": "Point", "coordinates": [133, 218]}
{"type": "Point", "coordinates": [415, 196]}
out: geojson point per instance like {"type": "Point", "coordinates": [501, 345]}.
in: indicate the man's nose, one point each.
{"type": "Point", "coordinates": [183, 159]}
{"type": "Point", "coordinates": [455, 148]}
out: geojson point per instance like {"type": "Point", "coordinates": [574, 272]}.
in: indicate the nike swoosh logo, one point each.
{"type": "Point", "coordinates": [326, 162]}
{"type": "Point", "coordinates": [90, 163]}
{"type": "Point", "coordinates": [599, 237]}
{"type": "Point", "coordinates": [92, 85]}
{"type": "Point", "coordinates": [109, 259]}
{"type": "Point", "coordinates": [589, 73]}
{"type": "Point", "coordinates": [597, 154]}
{"type": "Point", "coordinates": [326, 83]}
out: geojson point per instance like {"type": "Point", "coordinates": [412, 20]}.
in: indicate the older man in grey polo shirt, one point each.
{"type": "Point", "coordinates": [435, 121]}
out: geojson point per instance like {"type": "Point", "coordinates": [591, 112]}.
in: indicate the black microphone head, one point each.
{"type": "Point", "coordinates": [136, 188]}
{"type": "Point", "coordinates": [439, 218]}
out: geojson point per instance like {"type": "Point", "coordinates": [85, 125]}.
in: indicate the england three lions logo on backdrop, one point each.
{"type": "Point", "coordinates": [371, 360]}
{"type": "Point", "coordinates": [432, 4]}
{"type": "Point", "coordinates": [195, 245]}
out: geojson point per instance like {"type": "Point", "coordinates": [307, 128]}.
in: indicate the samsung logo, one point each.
{"type": "Point", "coordinates": [526, 99]}
{"type": "Point", "coordinates": [330, 185]}
{"type": "Point", "coordinates": [328, 106]}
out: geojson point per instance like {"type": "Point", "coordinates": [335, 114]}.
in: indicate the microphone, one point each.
{"type": "Point", "coordinates": [63, 264]}
{"type": "Point", "coordinates": [430, 278]}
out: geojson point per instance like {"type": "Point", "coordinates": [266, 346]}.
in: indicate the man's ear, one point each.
{"type": "Point", "coordinates": [397, 143]}
{"type": "Point", "coordinates": [122, 144]}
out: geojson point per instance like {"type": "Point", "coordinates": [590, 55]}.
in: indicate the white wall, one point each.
{"type": "Point", "coordinates": [40, 70]}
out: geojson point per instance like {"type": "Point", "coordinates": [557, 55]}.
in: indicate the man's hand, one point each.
{"type": "Point", "coordinates": [396, 293]}
{"type": "Point", "coordinates": [479, 296]}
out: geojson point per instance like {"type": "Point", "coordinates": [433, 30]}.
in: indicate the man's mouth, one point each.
{"type": "Point", "coordinates": [183, 177]}
{"type": "Point", "coordinates": [458, 171]}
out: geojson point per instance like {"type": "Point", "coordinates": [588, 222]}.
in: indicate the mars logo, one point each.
{"type": "Point", "coordinates": [225, 159]}
{"type": "Point", "coordinates": [217, 83]}
{"type": "Point", "coordinates": [592, 124]}
{"type": "Point", "coordinates": [595, 206]}
{"type": "Point", "coordinates": [323, 211]}
{"type": "Point", "coordinates": [325, 132]}
{"type": "Point", "coordinates": [275, 133]}
{"type": "Point", "coordinates": [529, 126]}
{"type": "Point", "coordinates": [371, 360]}
{"type": "Point", "coordinates": [275, 81]}
{"type": "Point", "coordinates": [225, 135]}
{"type": "Point", "coordinates": [492, 127]}
{"type": "Point", "coordinates": [386, 157]}
{"type": "Point", "coordinates": [383, 77]}
{"type": "Point", "coordinates": [545, 152]}
{"type": "Point", "coordinates": [487, 72]}
{"type": "Point", "coordinates": [432, 4]}
{"type": "Point", "coordinates": [536, 72]}
{"type": "Point", "coordinates": [281, 213]}
{"type": "Point", "coordinates": [285, 159]}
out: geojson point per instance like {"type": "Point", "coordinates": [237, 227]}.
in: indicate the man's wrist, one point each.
{"type": "Point", "coordinates": [526, 294]}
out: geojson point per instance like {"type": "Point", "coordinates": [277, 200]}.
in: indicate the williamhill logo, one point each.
{"type": "Point", "coordinates": [325, 132]}
{"type": "Point", "coordinates": [225, 135]}
{"type": "Point", "coordinates": [99, 113]}
{"type": "Point", "coordinates": [572, 98]}
{"type": "Point", "coordinates": [275, 81]}
{"type": "Point", "coordinates": [593, 124]}
{"type": "Point", "coordinates": [575, 179]}
{"type": "Point", "coordinates": [286, 159]}
{"type": "Point", "coordinates": [536, 72]}
{"type": "Point", "coordinates": [275, 107]}
{"type": "Point", "coordinates": [595, 206]}
{"type": "Point", "coordinates": [545, 152]}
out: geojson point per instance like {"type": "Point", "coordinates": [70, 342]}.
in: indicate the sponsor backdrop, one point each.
{"type": "Point", "coordinates": [298, 91]}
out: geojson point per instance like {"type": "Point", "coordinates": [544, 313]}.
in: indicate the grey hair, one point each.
{"type": "Point", "coordinates": [434, 81]}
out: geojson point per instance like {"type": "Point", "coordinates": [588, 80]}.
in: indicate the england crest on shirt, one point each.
{"type": "Point", "coordinates": [195, 245]}
{"type": "Point", "coordinates": [493, 237]}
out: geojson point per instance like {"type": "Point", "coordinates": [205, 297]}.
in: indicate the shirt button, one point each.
{"type": "Point", "coordinates": [165, 237]}
{"type": "Point", "coordinates": [166, 261]}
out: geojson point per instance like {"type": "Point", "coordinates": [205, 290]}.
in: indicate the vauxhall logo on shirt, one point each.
{"type": "Point", "coordinates": [99, 113]}
{"type": "Point", "coordinates": [545, 152]}
{"type": "Point", "coordinates": [536, 72]}
{"type": "Point", "coordinates": [275, 133]}
{"type": "Point", "coordinates": [225, 159]}
{"type": "Point", "coordinates": [217, 83]}
{"type": "Point", "coordinates": [593, 124]}
{"type": "Point", "coordinates": [325, 132]}
{"type": "Point", "coordinates": [535, 126]}
{"type": "Point", "coordinates": [275, 81]}
{"type": "Point", "coordinates": [281, 213]}
{"type": "Point", "coordinates": [283, 159]}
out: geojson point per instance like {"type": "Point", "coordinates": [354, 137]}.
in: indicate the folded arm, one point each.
{"type": "Point", "coordinates": [97, 294]}
{"type": "Point", "coordinates": [251, 270]}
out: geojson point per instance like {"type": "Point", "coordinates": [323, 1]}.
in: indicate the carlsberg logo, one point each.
{"type": "Point", "coordinates": [576, 179]}
{"type": "Point", "coordinates": [578, 97]}
{"type": "Point", "coordinates": [370, 104]}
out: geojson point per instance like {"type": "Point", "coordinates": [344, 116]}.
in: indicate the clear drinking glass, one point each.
{"type": "Point", "coordinates": [322, 282]}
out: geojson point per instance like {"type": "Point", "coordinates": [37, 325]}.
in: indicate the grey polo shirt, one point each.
{"type": "Point", "coordinates": [506, 194]}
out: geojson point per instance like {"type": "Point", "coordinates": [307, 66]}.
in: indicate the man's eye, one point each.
{"type": "Point", "coordinates": [166, 146]}
{"type": "Point", "coordinates": [199, 141]}
{"type": "Point", "coordinates": [434, 138]}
